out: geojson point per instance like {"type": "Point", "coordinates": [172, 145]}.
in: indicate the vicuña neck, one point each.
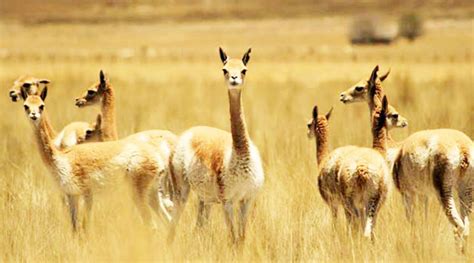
{"type": "Point", "coordinates": [379, 142]}
{"type": "Point", "coordinates": [322, 145]}
{"type": "Point", "coordinates": [44, 141]}
{"type": "Point", "coordinates": [377, 96]}
{"type": "Point", "coordinates": [109, 127]}
{"type": "Point", "coordinates": [240, 137]}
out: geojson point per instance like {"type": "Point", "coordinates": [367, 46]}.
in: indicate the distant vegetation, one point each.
{"type": "Point", "coordinates": [371, 29]}
{"type": "Point", "coordinates": [143, 11]}
{"type": "Point", "coordinates": [410, 26]}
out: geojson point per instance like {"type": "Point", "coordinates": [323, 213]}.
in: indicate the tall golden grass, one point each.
{"type": "Point", "coordinates": [168, 76]}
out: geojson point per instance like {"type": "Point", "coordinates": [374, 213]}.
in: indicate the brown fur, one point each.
{"type": "Point", "coordinates": [109, 129]}
{"type": "Point", "coordinates": [240, 137]}
{"type": "Point", "coordinates": [322, 135]}
{"type": "Point", "coordinates": [209, 145]}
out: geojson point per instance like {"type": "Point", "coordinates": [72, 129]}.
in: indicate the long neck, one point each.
{"type": "Point", "coordinates": [379, 142]}
{"type": "Point", "coordinates": [390, 141]}
{"type": "Point", "coordinates": [322, 145]}
{"type": "Point", "coordinates": [50, 129]}
{"type": "Point", "coordinates": [240, 137]}
{"type": "Point", "coordinates": [109, 127]}
{"type": "Point", "coordinates": [377, 97]}
{"type": "Point", "coordinates": [380, 136]}
{"type": "Point", "coordinates": [44, 141]}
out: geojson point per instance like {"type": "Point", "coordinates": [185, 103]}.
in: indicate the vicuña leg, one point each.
{"type": "Point", "coordinates": [157, 205]}
{"type": "Point", "coordinates": [204, 210]}
{"type": "Point", "coordinates": [243, 217]}
{"type": "Point", "coordinates": [180, 197]}
{"type": "Point", "coordinates": [230, 219]}
{"type": "Point", "coordinates": [443, 182]}
{"type": "Point", "coordinates": [141, 189]}
{"type": "Point", "coordinates": [88, 201]}
{"type": "Point", "coordinates": [372, 210]}
{"type": "Point", "coordinates": [73, 203]}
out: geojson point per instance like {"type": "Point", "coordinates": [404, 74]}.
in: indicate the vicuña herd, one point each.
{"type": "Point", "coordinates": [225, 167]}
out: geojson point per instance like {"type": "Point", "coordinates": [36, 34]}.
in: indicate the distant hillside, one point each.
{"type": "Point", "coordinates": [142, 11]}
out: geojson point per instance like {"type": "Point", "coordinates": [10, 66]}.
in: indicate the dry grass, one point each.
{"type": "Point", "coordinates": [168, 76]}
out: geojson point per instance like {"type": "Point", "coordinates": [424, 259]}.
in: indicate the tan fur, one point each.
{"type": "Point", "coordinates": [220, 166]}
{"type": "Point", "coordinates": [82, 169]}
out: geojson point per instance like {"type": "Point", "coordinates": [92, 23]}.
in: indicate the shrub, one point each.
{"type": "Point", "coordinates": [369, 29]}
{"type": "Point", "coordinates": [410, 26]}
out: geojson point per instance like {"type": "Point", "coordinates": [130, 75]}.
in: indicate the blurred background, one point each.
{"type": "Point", "coordinates": [162, 59]}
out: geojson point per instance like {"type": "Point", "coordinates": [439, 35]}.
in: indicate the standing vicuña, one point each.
{"type": "Point", "coordinates": [161, 140]}
{"type": "Point", "coordinates": [354, 177]}
{"type": "Point", "coordinates": [83, 169]}
{"type": "Point", "coordinates": [221, 167]}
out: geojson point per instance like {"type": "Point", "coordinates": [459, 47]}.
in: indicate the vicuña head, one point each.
{"type": "Point", "coordinates": [31, 85]}
{"type": "Point", "coordinates": [234, 69]}
{"type": "Point", "coordinates": [34, 104]}
{"type": "Point", "coordinates": [318, 125]}
{"type": "Point", "coordinates": [359, 92]}
{"type": "Point", "coordinates": [79, 132]}
{"type": "Point", "coordinates": [94, 93]}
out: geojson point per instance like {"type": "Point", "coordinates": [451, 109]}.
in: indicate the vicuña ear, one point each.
{"type": "Point", "coordinates": [372, 85]}
{"type": "Point", "coordinates": [373, 76]}
{"type": "Point", "coordinates": [384, 76]}
{"type": "Point", "coordinates": [315, 112]}
{"type": "Point", "coordinates": [44, 93]}
{"type": "Point", "coordinates": [223, 55]}
{"type": "Point", "coordinates": [98, 122]}
{"type": "Point", "coordinates": [246, 57]}
{"type": "Point", "coordinates": [44, 81]}
{"type": "Point", "coordinates": [382, 118]}
{"type": "Point", "coordinates": [328, 115]}
{"type": "Point", "coordinates": [27, 84]}
{"type": "Point", "coordinates": [385, 105]}
{"type": "Point", "coordinates": [102, 77]}
{"type": "Point", "coordinates": [23, 93]}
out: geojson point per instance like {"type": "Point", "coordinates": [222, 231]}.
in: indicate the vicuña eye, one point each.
{"type": "Point", "coordinates": [41, 107]}
{"type": "Point", "coordinates": [395, 116]}
{"type": "Point", "coordinates": [26, 107]}
{"type": "Point", "coordinates": [359, 89]}
{"type": "Point", "coordinates": [244, 72]}
{"type": "Point", "coordinates": [91, 92]}
{"type": "Point", "coordinates": [225, 71]}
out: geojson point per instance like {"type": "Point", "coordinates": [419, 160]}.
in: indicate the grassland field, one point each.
{"type": "Point", "coordinates": [168, 76]}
